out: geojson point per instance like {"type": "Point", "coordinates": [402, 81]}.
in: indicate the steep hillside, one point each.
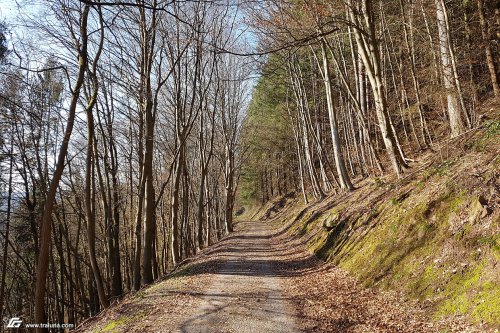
{"type": "Point", "coordinates": [434, 235]}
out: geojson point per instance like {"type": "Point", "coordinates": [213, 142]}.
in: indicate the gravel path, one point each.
{"type": "Point", "coordinates": [258, 279]}
{"type": "Point", "coordinates": [235, 285]}
{"type": "Point", "coordinates": [246, 293]}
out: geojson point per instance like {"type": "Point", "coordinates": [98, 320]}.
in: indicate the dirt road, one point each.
{"type": "Point", "coordinates": [259, 280]}
{"type": "Point", "coordinates": [234, 286]}
{"type": "Point", "coordinates": [246, 293]}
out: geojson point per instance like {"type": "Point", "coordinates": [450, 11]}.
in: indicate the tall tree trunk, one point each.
{"type": "Point", "coordinates": [90, 204]}
{"type": "Point", "coordinates": [229, 189]}
{"type": "Point", "coordinates": [7, 229]}
{"type": "Point", "coordinates": [90, 186]}
{"type": "Point", "coordinates": [199, 215]}
{"type": "Point", "coordinates": [208, 238]}
{"type": "Point", "coordinates": [302, 124]}
{"type": "Point", "coordinates": [148, 36]}
{"type": "Point", "coordinates": [345, 181]}
{"type": "Point", "coordinates": [46, 220]}
{"type": "Point", "coordinates": [149, 222]}
{"type": "Point", "coordinates": [490, 60]}
{"type": "Point", "coordinates": [175, 208]}
{"type": "Point", "coordinates": [369, 51]}
{"type": "Point", "coordinates": [411, 57]}
{"type": "Point", "coordinates": [138, 233]}
{"type": "Point", "coordinates": [117, 289]}
{"type": "Point", "coordinates": [454, 114]}
{"type": "Point", "coordinates": [114, 192]}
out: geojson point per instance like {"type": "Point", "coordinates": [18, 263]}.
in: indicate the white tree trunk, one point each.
{"type": "Point", "coordinates": [456, 123]}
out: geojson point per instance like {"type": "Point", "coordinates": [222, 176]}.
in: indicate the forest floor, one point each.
{"type": "Point", "coordinates": [258, 279]}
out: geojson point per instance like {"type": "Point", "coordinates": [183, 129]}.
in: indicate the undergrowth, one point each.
{"type": "Point", "coordinates": [434, 238]}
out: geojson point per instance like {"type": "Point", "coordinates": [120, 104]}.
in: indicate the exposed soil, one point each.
{"type": "Point", "coordinates": [259, 280]}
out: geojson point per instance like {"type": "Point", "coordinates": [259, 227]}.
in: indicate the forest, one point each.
{"type": "Point", "coordinates": [134, 133]}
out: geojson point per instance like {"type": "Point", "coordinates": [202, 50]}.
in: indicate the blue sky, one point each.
{"type": "Point", "coordinates": [8, 10]}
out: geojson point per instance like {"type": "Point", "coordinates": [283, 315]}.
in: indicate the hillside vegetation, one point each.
{"type": "Point", "coordinates": [434, 235]}
{"type": "Point", "coordinates": [132, 133]}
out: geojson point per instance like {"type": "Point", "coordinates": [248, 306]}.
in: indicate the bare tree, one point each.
{"type": "Point", "coordinates": [46, 220]}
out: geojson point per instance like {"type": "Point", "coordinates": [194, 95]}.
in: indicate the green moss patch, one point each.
{"type": "Point", "coordinates": [423, 241]}
{"type": "Point", "coordinates": [473, 293]}
{"type": "Point", "coordinates": [114, 324]}
{"type": "Point", "coordinates": [120, 323]}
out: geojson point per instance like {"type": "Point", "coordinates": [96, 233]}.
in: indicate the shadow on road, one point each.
{"type": "Point", "coordinates": [244, 254]}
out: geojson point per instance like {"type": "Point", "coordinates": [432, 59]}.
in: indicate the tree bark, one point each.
{"type": "Point", "coordinates": [490, 60]}
{"type": "Point", "coordinates": [90, 202]}
{"type": "Point", "coordinates": [46, 220]}
{"type": "Point", "coordinates": [175, 209]}
{"type": "Point", "coordinates": [229, 189]}
{"type": "Point", "coordinates": [454, 114]}
{"type": "Point", "coordinates": [148, 37]}
{"type": "Point", "coordinates": [369, 51]}
{"type": "Point", "coordinates": [7, 229]}
{"type": "Point", "coordinates": [345, 181]}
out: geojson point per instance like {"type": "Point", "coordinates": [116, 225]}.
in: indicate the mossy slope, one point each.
{"type": "Point", "coordinates": [433, 235]}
